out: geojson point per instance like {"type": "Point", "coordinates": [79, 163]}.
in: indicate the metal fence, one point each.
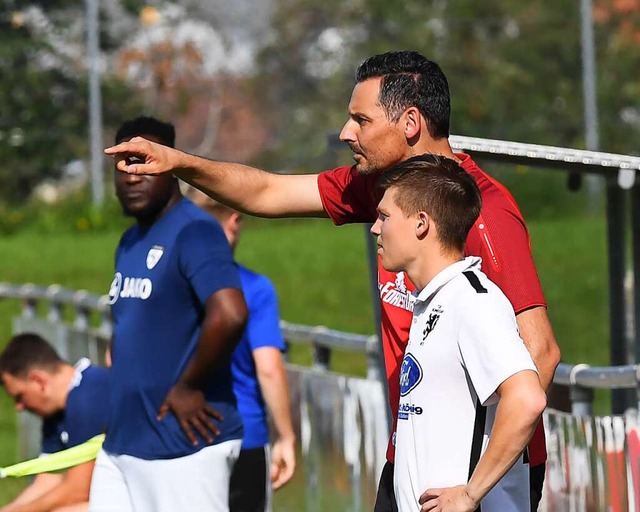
{"type": "Point", "coordinates": [594, 462]}
{"type": "Point", "coordinates": [340, 420]}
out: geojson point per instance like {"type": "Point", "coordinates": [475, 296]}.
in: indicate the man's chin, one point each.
{"type": "Point", "coordinates": [365, 169]}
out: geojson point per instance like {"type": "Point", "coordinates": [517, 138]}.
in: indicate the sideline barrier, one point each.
{"type": "Point", "coordinates": [593, 465]}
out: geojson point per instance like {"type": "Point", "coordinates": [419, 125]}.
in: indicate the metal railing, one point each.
{"type": "Point", "coordinates": [85, 305]}
{"type": "Point", "coordinates": [341, 422]}
{"type": "Point", "coordinates": [581, 378]}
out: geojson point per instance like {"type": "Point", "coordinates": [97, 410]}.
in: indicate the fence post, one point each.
{"type": "Point", "coordinates": [373, 359]}
{"type": "Point", "coordinates": [321, 357]}
{"type": "Point", "coordinates": [581, 397]}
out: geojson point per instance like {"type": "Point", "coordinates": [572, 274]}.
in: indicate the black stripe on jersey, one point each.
{"type": "Point", "coordinates": [478, 437]}
{"type": "Point", "coordinates": [475, 282]}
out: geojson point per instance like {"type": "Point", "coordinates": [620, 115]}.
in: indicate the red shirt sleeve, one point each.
{"type": "Point", "coordinates": [501, 238]}
{"type": "Point", "coordinates": [347, 196]}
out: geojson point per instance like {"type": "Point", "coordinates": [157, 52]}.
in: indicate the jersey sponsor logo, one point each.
{"type": "Point", "coordinates": [405, 410]}
{"type": "Point", "coordinates": [410, 374]}
{"type": "Point", "coordinates": [154, 255]}
{"type": "Point", "coordinates": [136, 288]}
{"type": "Point", "coordinates": [396, 293]}
{"type": "Point", "coordinates": [114, 289]}
{"type": "Point", "coordinates": [434, 316]}
{"type": "Point", "coordinates": [129, 288]}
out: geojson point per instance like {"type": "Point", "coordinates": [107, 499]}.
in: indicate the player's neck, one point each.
{"type": "Point", "coordinates": [61, 382]}
{"type": "Point", "coordinates": [430, 263]}
{"type": "Point", "coordinates": [435, 147]}
{"type": "Point", "coordinates": [152, 218]}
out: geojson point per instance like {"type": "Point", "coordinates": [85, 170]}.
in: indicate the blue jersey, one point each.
{"type": "Point", "coordinates": [263, 330]}
{"type": "Point", "coordinates": [164, 275]}
{"type": "Point", "coordinates": [86, 412]}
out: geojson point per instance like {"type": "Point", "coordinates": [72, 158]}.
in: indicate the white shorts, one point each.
{"type": "Point", "coordinates": [200, 481]}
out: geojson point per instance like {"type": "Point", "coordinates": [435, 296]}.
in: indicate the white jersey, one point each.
{"type": "Point", "coordinates": [463, 344]}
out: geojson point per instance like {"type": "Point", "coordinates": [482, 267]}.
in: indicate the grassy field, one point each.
{"type": "Point", "coordinates": [321, 276]}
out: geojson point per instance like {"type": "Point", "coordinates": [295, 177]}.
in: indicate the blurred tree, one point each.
{"type": "Point", "coordinates": [43, 113]}
{"type": "Point", "coordinates": [185, 62]}
{"type": "Point", "coordinates": [618, 27]}
{"type": "Point", "coordinates": [514, 68]}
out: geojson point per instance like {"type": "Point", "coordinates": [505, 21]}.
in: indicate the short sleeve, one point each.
{"type": "Point", "coordinates": [500, 238]}
{"type": "Point", "coordinates": [347, 196]}
{"type": "Point", "coordinates": [490, 346]}
{"type": "Point", "coordinates": [206, 259]}
{"type": "Point", "coordinates": [263, 327]}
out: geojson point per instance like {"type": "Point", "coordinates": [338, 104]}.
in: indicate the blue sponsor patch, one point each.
{"type": "Point", "coordinates": [410, 374]}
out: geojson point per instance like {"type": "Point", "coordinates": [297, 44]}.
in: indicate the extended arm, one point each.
{"type": "Point", "coordinates": [222, 327]}
{"type": "Point", "coordinates": [273, 384]}
{"type": "Point", "coordinates": [537, 334]}
{"type": "Point", "coordinates": [69, 488]}
{"type": "Point", "coordinates": [42, 483]}
{"type": "Point", "coordinates": [522, 401]}
{"type": "Point", "coordinates": [244, 188]}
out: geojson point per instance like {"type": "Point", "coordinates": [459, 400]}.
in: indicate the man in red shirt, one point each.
{"type": "Point", "coordinates": [399, 108]}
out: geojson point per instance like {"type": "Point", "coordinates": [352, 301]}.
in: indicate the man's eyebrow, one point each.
{"type": "Point", "coordinates": [356, 113]}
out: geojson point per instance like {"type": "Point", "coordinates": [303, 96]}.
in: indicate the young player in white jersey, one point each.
{"type": "Point", "coordinates": [470, 394]}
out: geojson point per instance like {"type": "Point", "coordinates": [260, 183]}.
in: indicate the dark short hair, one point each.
{"type": "Point", "coordinates": [27, 351]}
{"type": "Point", "coordinates": [440, 187]}
{"type": "Point", "coordinates": [143, 125]}
{"type": "Point", "coordinates": [410, 80]}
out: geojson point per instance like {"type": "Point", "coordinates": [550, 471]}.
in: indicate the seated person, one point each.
{"type": "Point", "coordinates": [73, 403]}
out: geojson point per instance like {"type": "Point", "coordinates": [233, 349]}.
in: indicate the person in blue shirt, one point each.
{"type": "Point", "coordinates": [73, 402]}
{"type": "Point", "coordinates": [259, 382]}
{"type": "Point", "coordinates": [178, 312]}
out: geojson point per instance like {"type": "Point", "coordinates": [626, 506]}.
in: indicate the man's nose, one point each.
{"type": "Point", "coordinates": [132, 179]}
{"type": "Point", "coordinates": [347, 132]}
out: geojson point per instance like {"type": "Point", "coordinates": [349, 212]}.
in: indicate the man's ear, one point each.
{"type": "Point", "coordinates": [236, 219]}
{"type": "Point", "coordinates": [423, 223]}
{"type": "Point", "coordinates": [412, 123]}
{"type": "Point", "coordinates": [39, 377]}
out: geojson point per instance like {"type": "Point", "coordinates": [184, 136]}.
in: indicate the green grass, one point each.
{"type": "Point", "coordinates": [321, 275]}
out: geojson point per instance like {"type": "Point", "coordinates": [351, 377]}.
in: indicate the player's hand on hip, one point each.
{"type": "Point", "coordinates": [283, 462]}
{"type": "Point", "coordinates": [450, 499]}
{"type": "Point", "coordinates": [141, 156]}
{"type": "Point", "coordinates": [192, 411]}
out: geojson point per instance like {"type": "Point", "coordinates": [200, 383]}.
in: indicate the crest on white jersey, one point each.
{"type": "Point", "coordinates": [154, 255]}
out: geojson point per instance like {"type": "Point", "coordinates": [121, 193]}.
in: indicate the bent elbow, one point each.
{"type": "Point", "coordinates": [537, 403]}
{"type": "Point", "coordinates": [241, 317]}
{"type": "Point", "coordinates": [237, 318]}
{"type": "Point", "coordinates": [554, 356]}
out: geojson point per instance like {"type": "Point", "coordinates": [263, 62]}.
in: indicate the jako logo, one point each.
{"type": "Point", "coordinates": [130, 288]}
{"type": "Point", "coordinates": [410, 374]}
